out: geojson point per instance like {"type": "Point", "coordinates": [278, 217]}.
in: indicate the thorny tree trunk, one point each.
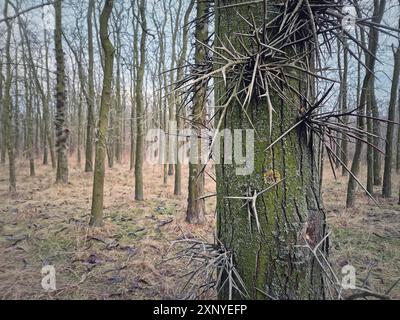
{"type": "Point", "coordinates": [7, 106]}
{"type": "Point", "coordinates": [196, 206]}
{"type": "Point", "coordinates": [389, 150]}
{"type": "Point", "coordinates": [140, 106]}
{"type": "Point", "coordinates": [91, 101]}
{"type": "Point", "coordinates": [370, 59]}
{"type": "Point", "coordinates": [98, 183]}
{"type": "Point", "coordinates": [270, 261]}
{"type": "Point", "coordinates": [62, 133]}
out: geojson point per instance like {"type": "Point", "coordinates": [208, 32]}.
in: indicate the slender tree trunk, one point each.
{"type": "Point", "coordinates": [344, 142]}
{"type": "Point", "coordinates": [370, 59]}
{"type": "Point", "coordinates": [7, 112]}
{"type": "Point", "coordinates": [29, 116]}
{"type": "Point", "coordinates": [98, 184]}
{"type": "Point", "coordinates": [398, 141]}
{"type": "Point", "coordinates": [140, 106]}
{"type": "Point", "coordinates": [196, 207]}
{"type": "Point", "coordinates": [79, 141]}
{"type": "Point", "coordinates": [111, 138]}
{"type": "Point", "coordinates": [179, 121]}
{"type": "Point", "coordinates": [268, 260]}
{"type": "Point", "coordinates": [370, 149]}
{"type": "Point", "coordinates": [133, 120]}
{"type": "Point", "coordinates": [47, 115]}
{"type": "Point", "coordinates": [135, 65]}
{"type": "Point", "coordinates": [16, 117]}
{"type": "Point", "coordinates": [172, 138]}
{"type": "Point", "coordinates": [376, 139]}
{"type": "Point", "coordinates": [91, 93]}
{"type": "Point", "coordinates": [3, 120]}
{"type": "Point", "coordinates": [389, 150]}
{"type": "Point", "coordinates": [62, 133]}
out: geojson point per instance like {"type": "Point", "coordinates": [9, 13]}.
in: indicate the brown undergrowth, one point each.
{"type": "Point", "coordinates": [46, 224]}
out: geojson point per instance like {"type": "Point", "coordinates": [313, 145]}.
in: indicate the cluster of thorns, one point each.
{"type": "Point", "coordinates": [265, 62]}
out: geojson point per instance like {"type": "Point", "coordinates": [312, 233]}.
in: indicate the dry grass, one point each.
{"type": "Point", "coordinates": [46, 224]}
{"type": "Point", "coordinates": [367, 236]}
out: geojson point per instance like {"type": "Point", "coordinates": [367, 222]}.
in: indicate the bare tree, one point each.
{"type": "Point", "coordinates": [140, 104]}
{"type": "Point", "coordinates": [98, 183]}
{"type": "Point", "coordinates": [62, 132]}
{"type": "Point", "coordinates": [7, 105]}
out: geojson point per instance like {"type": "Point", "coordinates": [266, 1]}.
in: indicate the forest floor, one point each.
{"type": "Point", "coordinates": [46, 224]}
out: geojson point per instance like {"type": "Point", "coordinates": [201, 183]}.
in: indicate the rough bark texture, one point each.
{"type": "Point", "coordinates": [196, 206]}
{"type": "Point", "coordinates": [98, 184]}
{"type": "Point", "coordinates": [62, 133]}
{"type": "Point", "coordinates": [270, 261]}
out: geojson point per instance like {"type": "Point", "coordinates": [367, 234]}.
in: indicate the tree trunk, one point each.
{"type": "Point", "coordinates": [398, 141]}
{"type": "Point", "coordinates": [269, 259]}
{"type": "Point", "coordinates": [196, 207]}
{"type": "Point", "coordinates": [62, 133]}
{"type": "Point", "coordinates": [344, 142]}
{"type": "Point", "coordinates": [101, 144]}
{"type": "Point", "coordinates": [377, 132]}
{"type": "Point", "coordinates": [3, 135]}
{"type": "Point", "coordinates": [91, 93]}
{"type": "Point", "coordinates": [370, 59]}
{"type": "Point", "coordinates": [46, 108]}
{"type": "Point", "coordinates": [7, 106]}
{"type": "Point", "coordinates": [140, 106]}
{"type": "Point", "coordinates": [389, 150]}
{"type": "Point", "coordinates": [179, 118]}
{"type": "Point", "coordinates": [370, 149]}
{"type": "Point", "coordinates": [29, 115]}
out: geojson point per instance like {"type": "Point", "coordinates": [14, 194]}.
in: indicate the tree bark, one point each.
{"type": "Point", "coordinates": [62, 132]}
{"type": "Point", "coordinates": [96, 219]}
{"type": "Point", "coordinates": [389, 149]}
{"type": "Point", "coordinates": [269, 260]}
{"type": "Point", "coordinates": [7, 106]}
{"type": "Point", "coordinates": [140, 106]}
{"type": "Point", "coordinates": [370, 59]}
{"type": "Point", "coordinates": [3, 134]}
{"type": "Point", "coordinates": [195, 212]}
{"type": "Point", "coordinates": [179, 118]}
{"type": "Point", "coordinates": [91, 93]}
